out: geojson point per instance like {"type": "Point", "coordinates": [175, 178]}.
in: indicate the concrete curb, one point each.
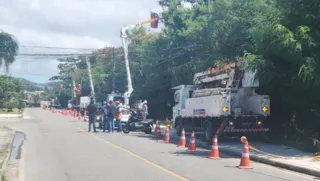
{"type": "Point", "coordinates": [12, 116]}
{"type": "Point", "coordinates": [288, 166]}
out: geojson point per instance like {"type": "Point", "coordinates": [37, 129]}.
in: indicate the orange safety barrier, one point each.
{"type": "Point", "coordinates": [214, 149]}
{"type": "Point", "coordinates": [245, 158]}
{"type": "Point", "coordinates": [182, 141]}
{"type": "Point", "coordinates": [192, 144]}
{"type": "Point", "coordinates": [167, 135]}
{"type": "Point", "coordinates": [157, 130]}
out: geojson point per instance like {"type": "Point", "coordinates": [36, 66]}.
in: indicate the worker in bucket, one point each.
{"type": "Point", "coordinates": [145, 109]}
{"type": "Point", "coordinates": [118, 116]}
{"type": "Point", "coordinates": [92, 111]}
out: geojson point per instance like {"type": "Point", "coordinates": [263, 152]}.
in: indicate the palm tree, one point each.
{"type": "Point", "coordinates": [8, 50]}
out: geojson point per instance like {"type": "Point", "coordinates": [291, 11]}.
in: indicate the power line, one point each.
{"type": "Point", "coordinates": [59, 54]}
{"type": "Point", "coordinates": [48, 47]}
{"type": "Point", "coordinates": [29, 73]}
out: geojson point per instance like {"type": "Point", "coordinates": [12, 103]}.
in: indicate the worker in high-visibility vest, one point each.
{"type": "Point", "coordinates": [118, 115]}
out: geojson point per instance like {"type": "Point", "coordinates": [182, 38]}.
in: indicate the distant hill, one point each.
{"type": "Point", "coordinates": [32, 86]}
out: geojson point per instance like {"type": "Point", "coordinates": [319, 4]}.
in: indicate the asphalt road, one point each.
{"type": "Point", "coordinates": [59, 148]}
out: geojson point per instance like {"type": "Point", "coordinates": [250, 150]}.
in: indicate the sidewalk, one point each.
{"type": "Point", "coordinates": [294, 159]}
{"type": "Point", "coordinates": [10, 115]}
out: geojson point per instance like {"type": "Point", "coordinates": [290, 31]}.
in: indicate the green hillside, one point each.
{"type": "Point", "coordinates": [32, 86]}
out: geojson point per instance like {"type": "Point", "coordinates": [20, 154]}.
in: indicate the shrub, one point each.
{"type": "Point", "coordinates": [2, 104]}
{"type": "Point", "coordinates": [10, 106]}
{"type": "Point", "coordinates": [21, 104]}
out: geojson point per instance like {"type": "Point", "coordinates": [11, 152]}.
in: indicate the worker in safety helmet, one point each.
{"type": "Point", "coordinates": [145, 109]}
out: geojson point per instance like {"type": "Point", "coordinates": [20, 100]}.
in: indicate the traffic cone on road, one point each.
{"type": "Point", "coordinates": [214, 149]}
{"type": "Point", "coordinates": [245, 158]}
{"type": "Point", "coordinates": [79, 115]}
{"type": "Point", "coordinates": [157, 131]}
{"type": "Point", "coordinates": [167, 135]}
{"type": "Point", "coordinates": [85, 116]}
{"type": "Point", "coordinates": [192, 144]}
{"type": "Point", "coordinates": [182, 141]}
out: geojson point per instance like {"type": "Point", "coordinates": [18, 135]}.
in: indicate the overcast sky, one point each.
{"type": "Point", "coordinates": [66, 23]}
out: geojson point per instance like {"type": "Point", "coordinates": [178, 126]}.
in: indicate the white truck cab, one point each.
{"type": "Point", "coordinates": [181, 94]}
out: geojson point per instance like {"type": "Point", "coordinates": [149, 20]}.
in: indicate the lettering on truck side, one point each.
{"type": "Point", "coordinates": [199, 112]}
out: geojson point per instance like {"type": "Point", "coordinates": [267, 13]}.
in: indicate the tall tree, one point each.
{"type": "Point", "coordinates": [8, 49]}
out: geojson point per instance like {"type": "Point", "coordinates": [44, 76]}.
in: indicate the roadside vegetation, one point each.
{"type": "Point", "coordinates": [11, 90]}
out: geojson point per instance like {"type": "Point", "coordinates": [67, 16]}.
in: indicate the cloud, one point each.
{"type": "Point", "coordinates": [67, 23]}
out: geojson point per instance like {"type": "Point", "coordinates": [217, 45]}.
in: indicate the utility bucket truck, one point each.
{"type": "Point", "coordinates": [128, 115]}
{"type": "Point", "coordinates": [221, 100]}
{"type": "Point", "coordinates": [125, 108]}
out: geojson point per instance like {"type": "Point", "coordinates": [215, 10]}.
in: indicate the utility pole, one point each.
{"type": "Point", "coordinates": [90, 77]}
{"type": "Point", "coordinates": [114, 73]}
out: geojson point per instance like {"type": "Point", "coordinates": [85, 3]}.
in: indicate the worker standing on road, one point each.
{"type": "Point", "coordinates": [145, 110]}
{"type": "Point", "coordinates": [118, 116]}
{"type": "Point", "coordinates": [111, 115]}
{"type": "Point", "coordinates": [92, 111]}
{"type": "Point", "coordinates": [104, 116]}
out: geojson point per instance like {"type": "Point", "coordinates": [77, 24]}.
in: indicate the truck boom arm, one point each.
{"type": "Point", "coordinates": [124, 37]}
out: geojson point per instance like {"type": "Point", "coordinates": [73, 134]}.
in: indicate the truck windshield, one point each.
{"type": "Point", "coordinates": [118, 98]}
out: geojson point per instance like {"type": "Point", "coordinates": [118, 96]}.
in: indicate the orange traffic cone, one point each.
{"type": "Point", "coordinates": [192, 144]}
{"type": "Point", "coordinates": [79, 115]}
{"type": "Point", "coordinates": [85, 116]}
{"type": "Point", "coordinates": [214, 149]}
{"type": "Point", "coordinates": [157, 131]}
{"type": "Point", "coordinates": [182, 142]}
{"type": "Point", "coordinates": [167, 135]}
{"type": "Point", "coordinates": [245, 158]}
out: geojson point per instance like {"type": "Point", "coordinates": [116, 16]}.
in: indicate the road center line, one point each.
{"type": "Point", "coordinates": [138, 157]}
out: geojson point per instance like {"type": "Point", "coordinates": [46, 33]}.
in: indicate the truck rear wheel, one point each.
{"type": "Point", "coordinates": [178, 126]}
{"type": "Point", "coordinates": [208, 132]}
